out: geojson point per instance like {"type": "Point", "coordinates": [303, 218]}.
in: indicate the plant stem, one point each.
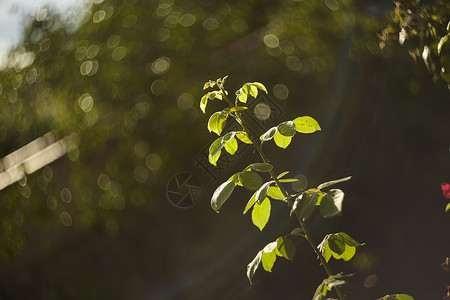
{"type": "Point", "coordinates": [305, 229]}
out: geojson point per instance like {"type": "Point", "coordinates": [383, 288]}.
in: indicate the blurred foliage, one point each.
{"type": "Point", "coordinates": [424, 28]}
{"type": "Point", "coordinates": [127, 75]}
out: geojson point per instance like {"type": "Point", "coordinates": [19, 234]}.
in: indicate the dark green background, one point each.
{"type": "Point", "coordinates": [383, 121]}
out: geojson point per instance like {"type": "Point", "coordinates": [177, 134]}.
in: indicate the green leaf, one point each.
{"type": "Point", "coordinates": [288, 180]}
{"type": "Point", "coordinates": [337, 246]}
{"type": "Point", "coordinates": [307, 204]}
{"type": "Point", "coordinates": [261, 167]}
{"type": "Point", "coordinates": [206, 85]}
{"type": "Point", "coordinates": [228, 137]}
{"type": "Point", "coordinates": [330, 183]}
{"type": "Point", "coordinates": [268, 259]}
{"type": "Point", "coordinates": [238, 108]}
{"type": "Point", "coordinates": [253, 90]}
{"type": "Point", "coordinates": [269, 134]}
{"type": "Point", "coordinates": [221, 194]}
{"type": "Point", "coordinates": [261, 213]}
{"type": "Point", "coordinates": [231, 146]}
{"type": "Point", "coordinates": [447, 208]}
{"type": "Point", "coordinates": [327, 253]}
{"type": "Point", "coordinates": [224, 79]}
{"type": "Point", "coordinates": [242, 93]}
{"type": "Point", "coordinates": [285, 248]}
{"type": "Point", "coordinates": [250, 203]}
{"type": "Point", "coordinates": [261, 193]}
{"type": "Point", "coordinates": [203, 102]}
{"type": "Point", "coordinates": [282, 174]}
{"type": "Point", "coordinates": [259, 86]}
{"type": "Point", "coordinates": [275, 193]}
{"type": "Point", "coordinates": [216, 146]}
{"type": "Point", "coordinates": [349, 240]}
{"type": "Point", "coordinates": [235, 178]}
{"type": "Point", "coordinates": [281, 140]}
{"type": "Point", "coordinates": [250, 180]}
{"type": "Point", "coordinates": [217, 121]}
{"type": "Point", "coordinates": [214, 158]}
{"type": "Point", "coordinates": [349, 252]}
{"type": "Point", "coordinates": [306, 125]}
{"type": "Point", "coordinates": [243, 137]}
{"type": "Point", "coordinates": [253, 266]}
{"type": "Point", "coordinates": [287, 128]}
{"type": "Point", "coordinates": [331, 203]}
{"type": "Point", "coordinates": [215, 95]}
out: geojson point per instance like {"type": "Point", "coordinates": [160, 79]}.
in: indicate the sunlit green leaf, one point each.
{"type": "Point", "coordinates": [285, 248]}
{"type": "Point", "coordinates": [243, 137]}
{"type": "Point", "coordinates": [268, 259]}
{"type": "Point", "coordinates": [231, 146]}
{"type": "Point", "coordinates": [217, 122]}
{"type": "Point", "coordinates": [349, 240]}
{"type": "Point", "coordinates": [282, 174]}
{"type": "Point", "coordinates": [261, 213]}
{"type": "Point", "coordinates": [250, 180]}
{"type": "Point", "coordinates": [327, 253]}
{"type": "Point", "coordinates": [269, 134]}
{"type": "Point", "coordinates": [275, 193]}
{"type": "Point", "coordinates": [253, 266]}
{"type": "Point", "coordinates": [253, 90]}
{"type": "Point", "coordinates": [281, 140]}
{"type": "Point", "coordinates": [349, 252]}
{"type": "Point", "coordinates": [288, 180]}
{"type": "Point", "coordinates": [287, 128]}
{"type": "Point", "coordinates": [241, 95]}
{"type": "Point", "coordinates": [261, 193]}
{"type": "Point", "coordinates": [261, 167]}
{"type": "Point", "coordinates": [331, 203]}
{"type": "Point", "coordinates": [203, 102]}
{"type": "Point", "coordinates": [214, 158]}
{"type": "Point", "coordinates": [224, 79]}
{"type": "Point", "coordinates": [228, 137]}
{"type": "Point", "coordinates": [337, 246]}
{"type": "Point", "coordinates": [306, 125]}
{"type": "Point", "coordinates": [447, 208]}
{"type": "Point", "coordinates": [216, 146]}
{"type": "Point", "coordinates": [250, 203]}
{"type": "Point", "coordinates": [330, 183]}
{"type": "Point", "coordinates": [221, 194]}
{"type": "Point", "coordinates": [215, 95]}
{"type": "Point", "coordinates": [235, 178]}
{"type": "Point", "coordinates": [238, 108]}
{"type": "Point", "coordinates": [259, 86]}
